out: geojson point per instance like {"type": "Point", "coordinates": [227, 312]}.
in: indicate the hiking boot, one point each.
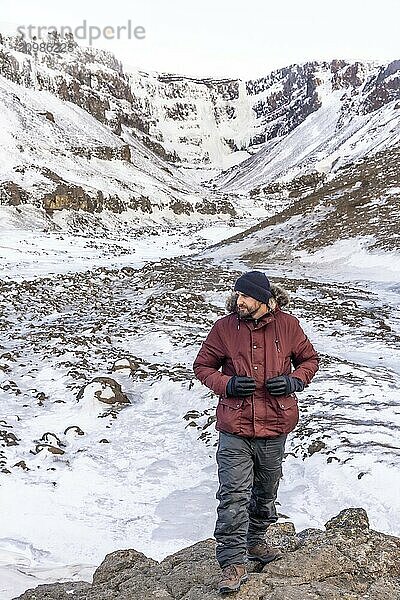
{"type": "Point", "coordinates": [263, 553]}
{"type": "Point", "coordinates": [232, 578]}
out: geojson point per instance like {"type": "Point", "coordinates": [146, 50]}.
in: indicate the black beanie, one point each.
{"type": "Point", "coordinates": [254, 284]}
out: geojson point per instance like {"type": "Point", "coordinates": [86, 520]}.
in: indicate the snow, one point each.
{"type": "Point", "coordinates": [152, 487]}
{"type": "Point", "coordinates": [315, 491]}
{"type": "Point", "coordinates": [34, 252]}
{"type": "Point", "coordinates": [61, 523]}
{"type": "Point", "coordinates": [352, 260]}
{"type": "Point", "coordinates": [27, 254]}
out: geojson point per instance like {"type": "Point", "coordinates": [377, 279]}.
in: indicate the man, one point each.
{"type": "Point", "coordinates": [258, 345]}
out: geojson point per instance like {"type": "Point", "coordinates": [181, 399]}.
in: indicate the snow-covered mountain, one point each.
{"type": "Point", "coordinates": [217, 122]}
{"type": "Point", "coordinates": [357, 116]}
{"type": "Point", "coordinates": [296, 119]}
{"type": "Point", "coordinates": [70, 139]}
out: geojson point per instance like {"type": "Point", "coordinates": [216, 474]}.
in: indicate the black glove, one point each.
{"type": "Point", "coordinates": [240, 385]}
{"type": "Point", "coordinates": [284, 385]}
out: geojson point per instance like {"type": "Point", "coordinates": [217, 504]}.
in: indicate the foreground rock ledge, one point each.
{"type": "Point", "coordinates": [348, 561]}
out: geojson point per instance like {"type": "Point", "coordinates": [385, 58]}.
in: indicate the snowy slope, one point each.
{"type": "Point", "coordinates": [356, 211]}
{"type": "Point", "coordinates": [322, 143]}
{"type": "Point", "coordinates": [70, 139]}
{"type": "Point", "coordinates": [39, 152]}
{"type": "Point", "coordinates": [56, 155]}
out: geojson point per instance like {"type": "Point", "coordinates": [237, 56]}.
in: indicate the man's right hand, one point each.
{"type": "Point", "coordinates": [240, 386]}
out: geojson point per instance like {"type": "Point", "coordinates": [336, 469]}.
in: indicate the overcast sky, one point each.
{"type": "Point", "coordinates": [227, 37]}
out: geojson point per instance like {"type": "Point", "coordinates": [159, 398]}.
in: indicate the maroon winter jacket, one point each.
{"type": "Point", "coordinates": [263, 350]}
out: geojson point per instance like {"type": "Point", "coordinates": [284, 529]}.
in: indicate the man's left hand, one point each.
{"type": "Point", "coordinates": [284, 385]}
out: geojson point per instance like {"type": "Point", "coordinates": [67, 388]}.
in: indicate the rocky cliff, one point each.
{"type": "Point", "coordinates": [209, 123]}
{"type": "Point", "coordinates": [354, 114]}
{"type": "Point", "coordinates": [80, 132]}
{"type": "Point", "coordinates": [347, 561]}
{"type": "Point", "coordinates": [217, 122]}
{"type": "Point", "coordinates": [70, 140]}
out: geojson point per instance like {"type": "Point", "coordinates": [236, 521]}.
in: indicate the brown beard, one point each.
{"type": "Point", "coordinates": [248, 316]}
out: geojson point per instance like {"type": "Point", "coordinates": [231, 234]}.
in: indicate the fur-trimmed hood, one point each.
{"type": "Point", "coordinates": [280, 296]}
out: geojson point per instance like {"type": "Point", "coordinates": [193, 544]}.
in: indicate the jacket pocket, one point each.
{"type": "Point", "coordinates": [288, 413]}
{"type": "Point", "coordinates": [229, 414]}
{"type": "Point", "coordinates": [232, 402]}
{"type": "Point", "coordinates": [287, 402]}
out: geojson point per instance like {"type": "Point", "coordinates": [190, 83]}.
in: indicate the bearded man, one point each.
{"type": "Point", "coordinates": [255, 359]}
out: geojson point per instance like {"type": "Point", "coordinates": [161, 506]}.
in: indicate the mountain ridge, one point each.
{"type": "Point", "coordinates": [194, 122]}
{"type": "Point", "coordinates": [102, 138]}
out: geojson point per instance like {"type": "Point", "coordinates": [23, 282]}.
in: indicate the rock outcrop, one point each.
{"type": "Point", "coordinates": [347, 561]}
{"type": "Point", "coordinates": [104, 389]}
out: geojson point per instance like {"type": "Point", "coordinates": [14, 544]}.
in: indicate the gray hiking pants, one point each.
{"type": "Point", "coordinates": [249, 470]}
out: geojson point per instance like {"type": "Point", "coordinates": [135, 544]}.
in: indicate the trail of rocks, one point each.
{"type": "Point", "coordinates": [78, 324]}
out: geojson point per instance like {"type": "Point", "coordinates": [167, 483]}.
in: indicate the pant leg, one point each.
{"type": "Point", "coordinates": [267, 473]}
{"type": "Point", "coordinates": [235, 473]}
